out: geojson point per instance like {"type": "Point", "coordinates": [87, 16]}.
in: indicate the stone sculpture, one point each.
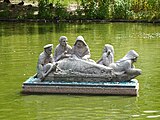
{"type": "Point", "coordinates": [77, 69]}
{"type": "Point", "coordinates": [62, 50]}
{"type": "Point", "coordinates": [107, 55]}
{"type": "Point", "coordinates": [45, 62]}
{"type": "Point", "coordinates": [80, 49]}
{"type": "Point", "coordinates": [125, 65]}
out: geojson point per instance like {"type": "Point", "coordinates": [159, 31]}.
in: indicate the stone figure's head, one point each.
{"type": "Point", "coordinates": [63, 40]}
{"type": "Point", "coordinates": [80, 42]}
{"type": "Point", "coordinates": [108, 48]}
{"type": "Point", "coordinates": [131, 55]}
{"type": "Point", "coordinates": [48, 48]}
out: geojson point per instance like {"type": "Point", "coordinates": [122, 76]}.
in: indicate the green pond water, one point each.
{"type": "Point", "coordinates": [21, 44]}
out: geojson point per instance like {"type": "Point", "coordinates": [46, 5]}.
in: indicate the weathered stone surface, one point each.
{"type": "Point", "coordinates": [78, 70]}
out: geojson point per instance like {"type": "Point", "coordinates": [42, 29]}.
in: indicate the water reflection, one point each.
{"type": "Point", "coordinates": [81, 107]}
{"type": "Point", "coordinates": [147, 114]}
{"type": "Point", "coordinates": [21, 43]}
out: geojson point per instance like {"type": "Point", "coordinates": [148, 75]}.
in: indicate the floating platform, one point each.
{"type": "Point", "coordinates": [33, 86]}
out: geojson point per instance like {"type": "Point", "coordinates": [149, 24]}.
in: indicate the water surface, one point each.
{"type": "Point", "coordinates": [21, 44]}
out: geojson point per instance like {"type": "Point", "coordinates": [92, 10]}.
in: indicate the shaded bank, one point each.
{"type": "Point", "coordinates": [78, 21]}
{"type": "Point", "coordinates": [83, 11]}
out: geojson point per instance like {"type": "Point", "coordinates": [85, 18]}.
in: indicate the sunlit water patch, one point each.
{"type": "Point", "coordinates": [154, 116]}
{"type": "Point", "coordinates": [150, 35]}
{"type": "Point", "coordinates": [150, 111]}
{"type": "Point", "coordinates": [21, 44]}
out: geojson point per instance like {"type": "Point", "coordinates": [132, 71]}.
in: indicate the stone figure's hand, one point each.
{"type": "Point", "coordinates": [84, 58]}
{"type": "Point", "coordinates": [63, 55]}
{"type": "Point", "coordinates": [134, 71]}
{"type": "Point", "coordinates": [65, 52]}
{"type": "Point", "coordinates": [139, 71]}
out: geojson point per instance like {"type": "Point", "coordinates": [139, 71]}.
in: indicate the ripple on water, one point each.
{"type": "Point", "coordinates": [135, 115]}
{"type": "Point", "coordinates": [145, 113]}
{"type": "Point", "coordinates": [150, 111]}
{"type": "Point", "coordinates": [154, 116]}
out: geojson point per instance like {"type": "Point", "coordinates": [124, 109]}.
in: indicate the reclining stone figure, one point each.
{"type": "Point", "coordinates": [124, 67]}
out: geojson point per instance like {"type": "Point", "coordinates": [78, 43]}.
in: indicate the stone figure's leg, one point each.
{"type": "Point", "coordinates": [47, 69]}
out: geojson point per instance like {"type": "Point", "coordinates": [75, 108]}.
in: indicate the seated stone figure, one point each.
{"type": "Point", "coordinates": [125, 65]}
{"type": "Point", "coordinates": [45, 62]}
{"type": "Point", "coordinates": [107, 55]}
{"type": "Point", "coordinates": [62, 50]}
{"type": "Point", "coordinates": [80, 49]}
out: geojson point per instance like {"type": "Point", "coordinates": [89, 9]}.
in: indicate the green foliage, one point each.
{"type": "Point", "coordinates": [146, 9]}
{"type": "Point", "coordinates": [4, 13]}
{"type": "Point", "coordinates": [120, 9]}
{"type": "Point", "coordinates": [60, 11]}
{"type": "Point", "coordinates": [45, 11]}
{"type": "Point", "coordinates": [103, 9]}
{"type": "Point", "coordinates": [86, 9]}
{"type": "Point", "coordinates": [89, 8]}
{"type": "Point", "coordinates": [95, 9]}
{"type": "Point", "coordinates": [28, 13]}
{"type": "Point", "coordinates": [154, 9]}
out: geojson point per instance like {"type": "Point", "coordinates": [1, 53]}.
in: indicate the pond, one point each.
{"type": "Point", "coordinates": [21, 44]}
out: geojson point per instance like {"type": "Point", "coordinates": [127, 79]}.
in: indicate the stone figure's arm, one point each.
{"type": "Point", "coordinates": [41, 60]}
{"type": "Point", "coordinates": [72, 50]}
{"type": "Point", "coordinates": [127, 66]}
{"type": "Point", "coordinates": [105, 59]}
{"type": "Point", "coordinates": [130, 70]}
{"type": "Point", "coordinates": [69, 50]}
{"type": "Point", "coordinates": [51, 59]}
{"type": "Point", "coordinates": [87, 54]}
{"type": "Point", "coordinates": [99, 61]}
{"type": "Point", "coordinates": [134, 71]}
{"type": "Point", "coordinates": [57, 55]}
{"type": "Point", "coordinates": [86, 57]}
{"type": "Point", "coordinates": [60, 56]}
{"type": "Point", "coordinates": [111, 58]}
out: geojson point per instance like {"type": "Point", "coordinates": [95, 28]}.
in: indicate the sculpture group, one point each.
{"type": "Point", "coordinates": [74, 63]}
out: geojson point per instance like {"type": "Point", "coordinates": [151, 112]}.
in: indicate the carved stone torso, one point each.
{"type": "Point", "coordinates": [45, 59]}
{"type": "Point", "coordinates": [60, 50]}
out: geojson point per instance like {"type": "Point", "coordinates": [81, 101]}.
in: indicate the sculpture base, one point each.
{"type": "Point", "coordinates": [32, 86]}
